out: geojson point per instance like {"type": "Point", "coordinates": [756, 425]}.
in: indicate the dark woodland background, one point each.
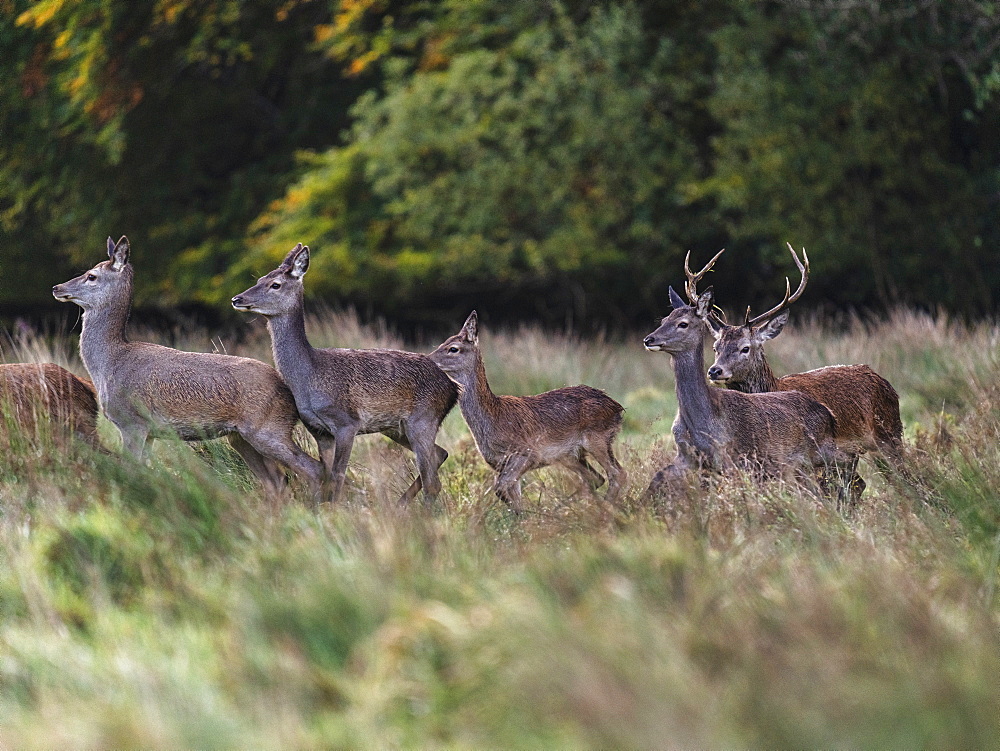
{"type": "Point", "coordinates": [543, 161]}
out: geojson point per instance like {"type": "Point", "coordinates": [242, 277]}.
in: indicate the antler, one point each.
{"type": "Point", "coordinates": [789, 297]}
{"type": "Point", "coordinates": [691, 285]}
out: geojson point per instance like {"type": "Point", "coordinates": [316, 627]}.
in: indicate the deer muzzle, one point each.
{"type": "Point", "coordinates": [60, 293]}
{"type": "Point", "coordinates": [240, 304]}
{"type": "Point", "coordinates": [716, 373]}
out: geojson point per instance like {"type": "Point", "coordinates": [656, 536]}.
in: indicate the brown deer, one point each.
{"type": "Point", "coordinates": [33, 393]}
{"type": "Point", "coordinates": [719, 429]}
{"type": "Point", "coordinates": [343, 392]}
{"type": "Point", "coordinates": [516, 434]}
{"type": "Point", "coordinates": [148, 390]}
{"type": "Point", "coordinates": [865, 404]}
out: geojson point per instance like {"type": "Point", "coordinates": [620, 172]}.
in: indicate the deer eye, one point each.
{"type": "Point", "coordinates": [745, 350]}
{"type": "Point", "coordinates": [276, 285]}
{"type": "Point", "coordinates": [91, 277]}
{"type": "Point", "coordinates": [453, 349]}
{"type": "Point", "coordinates": [682, 325]}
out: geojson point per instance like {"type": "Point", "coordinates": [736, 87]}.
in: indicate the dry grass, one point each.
{"type": "Point", "coordinates": [169, 604]}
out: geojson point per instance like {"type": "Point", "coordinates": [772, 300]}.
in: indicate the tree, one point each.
{"type": "Point", "coordinates": [173, 121]}
{"type": "Point", "coordinates": [546, 166]}
{"type": "Point", "coordinates": [866, 132]}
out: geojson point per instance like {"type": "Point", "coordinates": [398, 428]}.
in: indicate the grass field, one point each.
{"type": "Point", "coordinates": [167, 604]}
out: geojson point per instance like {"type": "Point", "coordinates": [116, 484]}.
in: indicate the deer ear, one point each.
{"type": "Point", "coordinates": [291, 255]}
{"type": "Point", "coordinates": [772, 328]}
{"type": "Point", "coordinates": [675, 299]}
{"type": "Point", "coordinates": [300, 261]}
{"type": "Point", "coordinates": [705, 302]}
{"type": "Point", "coordinates": [715, 326]}
{"type": "Point", "coordinates": [470, 329]}
{"type": "Point", "coordinates": [119, 253]}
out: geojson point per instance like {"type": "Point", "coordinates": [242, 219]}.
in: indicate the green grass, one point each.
{"type": "Point", "coordinates": [169, 604]}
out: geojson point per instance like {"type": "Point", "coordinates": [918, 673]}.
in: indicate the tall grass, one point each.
{"type": "Point", "coordinates": [168, 603]}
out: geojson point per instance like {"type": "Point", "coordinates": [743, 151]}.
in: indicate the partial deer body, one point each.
{"type": "Point", "coordinates": [148, 390]}
{"type": "Point", "coordinates": [721, 429]}
{"type": "Point", "coordinates": [31, 393]}
{"type": "Point", "coordinates": [516, 434]}
{"type": "Point", "coordinates": [341, 393]}
{"type": "Point", "coordinates": [865, 404]}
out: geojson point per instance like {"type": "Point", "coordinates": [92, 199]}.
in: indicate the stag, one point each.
{"type": "Point", "coordinates": [720, 429]}
{"type": "Point", "coordinates": [865, 404]}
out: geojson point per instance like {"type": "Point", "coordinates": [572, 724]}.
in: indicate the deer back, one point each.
{"type": "Point", "coordinates": [776, 428]}
{"type": "Point", "coordinates": [379, 386]}
{"type": "Point", "coordinates": [30, 393]}
{"type": "Point", "coordinates": [864, 403]}
{"type": "Point", "coordinates": [196, 394]}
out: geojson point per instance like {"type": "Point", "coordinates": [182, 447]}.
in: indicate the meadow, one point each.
{"type": "Point", "coordinates": [169, 604]}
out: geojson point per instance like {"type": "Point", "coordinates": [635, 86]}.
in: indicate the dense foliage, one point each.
{"type": "Point", "coordinates": [555, 159]}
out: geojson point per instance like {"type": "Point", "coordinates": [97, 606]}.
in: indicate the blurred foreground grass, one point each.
{"type": "Point", "coordinates": [169, 605]}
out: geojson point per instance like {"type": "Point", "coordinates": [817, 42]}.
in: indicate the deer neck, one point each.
{"type": "Point", "coordinates": [694, 399]}
{"type": "Point", "coordinates": [293, 355]}
{"type": "Point", "coordinates": [759, 381]}
{"type": "Point", "coordinates": [480, 406]}
{"type": "Point", "coordinates": [103, 339]}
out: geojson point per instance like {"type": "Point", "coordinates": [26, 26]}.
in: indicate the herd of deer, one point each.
{"type": "Point", "coordinates": [814, 424]}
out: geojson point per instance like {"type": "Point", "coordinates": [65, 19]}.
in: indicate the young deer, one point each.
{"type": "Point", "coordinates": [516, 434]}
{"type": "Point", "coordinates": [865, 404]}
{"type": "Point", "coordinates": [147, 390]}
{"type": "Point", "coordinates": [32, 392]}
{"type": "Point", "coordinates": [721, 429]}
{"type": "Point", "coordinates": [343, 392]}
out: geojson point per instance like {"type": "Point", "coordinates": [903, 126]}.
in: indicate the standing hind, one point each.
{"type": "Point", "coordinates": [516, 434]}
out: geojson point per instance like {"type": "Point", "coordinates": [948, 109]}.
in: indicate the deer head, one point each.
{"type": "Point", "coordinates": [739, 350]}
{"type": "Point", "coordinates": [458, 355]}
{"type": "Point", "coordinates": [684, 329]}
{"type": "Point", "coordinates": [105, 284]}
{"type": "Point", "coordinates": [279, 291]}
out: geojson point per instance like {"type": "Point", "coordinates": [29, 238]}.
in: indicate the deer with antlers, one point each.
{"type": "Point", "coordinates": [770, 433]}
{"type": "Point", "coordinates": [865, 404]}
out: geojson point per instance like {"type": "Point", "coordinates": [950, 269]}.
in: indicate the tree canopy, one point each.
{"type": "Point", "coordinates": [553, 159]}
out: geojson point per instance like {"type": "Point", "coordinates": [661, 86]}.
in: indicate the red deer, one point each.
{"type": "Point", "coordinates": [148, 390]}
{"type": "Point", "coordinates": [865, 404]}
{"type": "Point", "coordinates": [340, 393]}
{"type": "Point", "coordinates": [31, 394]}
{"type": "Point", "coordinates": [721, 429]}
{"type": "Point", "coordinates": [516, 434]}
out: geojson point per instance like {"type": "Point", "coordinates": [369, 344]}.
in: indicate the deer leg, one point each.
{"type": "Point", "coordinates": [279, 446]}
{"type": "Point", "coordinates": [605, 456]}
{"type": "Point", "coordinates": [327, 451]}
{"type": "Point", "coordinates": [267, 471]}
{"type": "Point", "coordinates": [344, 440]}
{"type": "Point", "coordinates": [411, 492]}
{"type": "Point", "coordinates": [668, 480]}
{"type": "Point", "coordinates": [134, 439]}
{"type": "Point", "coordinates": [420, 432]}
{"type": "Point", "coordinates": [508, 482]}
{"type": "Point", "coordinates": [592, 479]}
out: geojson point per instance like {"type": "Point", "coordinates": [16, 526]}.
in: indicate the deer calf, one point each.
{"type": "Point", "coordinates": [148, 390]}
{"type": "Point", "coordinates": [864, 404]}
{"type": "Point", "coordinates": [516, 434]}
{"type": "Point", "coordinates": [340, 393]}
{"type": "Point", "coordinates": [721, 429]}
{"type": "Point", "coordinates": [44, 392]}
